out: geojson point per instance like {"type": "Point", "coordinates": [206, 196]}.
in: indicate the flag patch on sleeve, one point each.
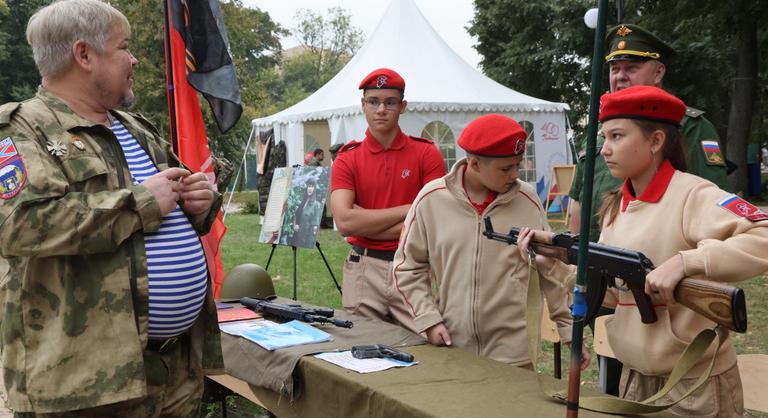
{"type": "Point", "coordinates": [712, 152]}
{"type": "Point", "coordinates": [742, 208]}
{"type": "Point", "coordinates": [13, 174]}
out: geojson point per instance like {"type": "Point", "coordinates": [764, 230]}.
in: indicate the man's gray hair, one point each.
{"type": "Point", "coordinates": [53, 30]}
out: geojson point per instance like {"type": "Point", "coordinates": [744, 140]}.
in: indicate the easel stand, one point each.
{"type": "Point", "coordinates": [317, 245]}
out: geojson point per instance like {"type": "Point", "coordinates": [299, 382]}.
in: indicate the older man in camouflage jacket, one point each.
{"type": "Point", "coordinates": [106, 308]}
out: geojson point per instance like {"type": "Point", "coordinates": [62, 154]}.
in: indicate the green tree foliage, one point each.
{"type": "Point", "coordinates": [255, 44]}
{"type": "Point", "coordinates": [254, 41]}
{"type": "Point", "coordinates": [331, 40]}
{"type": "Point", "coordinates": [146, 44]}
{"type": "Point", "coordinates": [536, 47]}
{"type": "Point", "coordinates": [18, 73]}
{"type": "Point", "coordinates": [704, 36]}
{"type": "Point", "coordinates": [3, 34]}
{"type": "Point", "coordinates": [327, 42]}
{"type": "Point", "coordinates": [543, 48]}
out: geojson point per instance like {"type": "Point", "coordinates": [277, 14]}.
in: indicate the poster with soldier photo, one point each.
{"type": "Point", "coordinates": [295, 206]}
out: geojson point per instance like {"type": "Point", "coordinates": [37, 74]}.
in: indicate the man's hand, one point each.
{"type": "Point", "coordinates": [196, 194]}
{"type": "Point", "coordinates": [165, 187]}
{"type": "Point", "coordinates": [438, 335]}
{"type": "Point", "coordinates": [377, 224]}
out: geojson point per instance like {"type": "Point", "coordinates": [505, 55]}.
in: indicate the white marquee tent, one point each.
{"type": "Point", "coordinates": [444, 94]}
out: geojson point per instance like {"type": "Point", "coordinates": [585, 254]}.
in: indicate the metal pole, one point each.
{"type": "Point", "coordinates": [294, 273]}
{"type": "Point", "coordinates": [270, 256]}
{"type": "Point", "coordinates": [579, 308]}
{"type": "Point", "coordinates": [169, 78]}
{"type": "Point", "coordinates": [619, 11]}
{"type": "Point", "coordinates": [328, 266]}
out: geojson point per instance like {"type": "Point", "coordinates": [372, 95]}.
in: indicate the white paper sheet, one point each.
{"type": "Point", "coordinates": [344, 359]}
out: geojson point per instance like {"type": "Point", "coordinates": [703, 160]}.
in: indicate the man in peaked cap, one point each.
{"type": "Point", "coordinates": [638, 57]}
{"type": "Point", "coordinates": [480, 299]}
{"type": "Point", "coordinates": [373, 183]}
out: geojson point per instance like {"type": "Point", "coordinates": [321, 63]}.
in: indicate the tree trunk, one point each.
{"type": "Point", "coordinates": [743, 87]}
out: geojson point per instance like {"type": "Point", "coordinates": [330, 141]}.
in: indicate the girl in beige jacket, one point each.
{"type": "Point", "coordinates": [688, 227]}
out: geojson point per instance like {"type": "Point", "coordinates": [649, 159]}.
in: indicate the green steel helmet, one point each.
{"type": "Point", "coordinates": [246, 280]}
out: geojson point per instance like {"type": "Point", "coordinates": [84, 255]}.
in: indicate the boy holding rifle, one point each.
{"type": "Point", "coordinates": [701, 230]}
{"type": "Point", "coordinates": [479, 300]}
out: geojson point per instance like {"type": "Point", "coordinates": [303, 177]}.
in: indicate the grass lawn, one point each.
{"type": "Point", "coordinates": [315, 286]}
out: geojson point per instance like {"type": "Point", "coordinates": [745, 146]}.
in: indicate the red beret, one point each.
{"type": "Point", "coordinates": [642, 102]}
{"type": "Point", "coordinates": [493, 136]}
{"type": "Point", "coordinates": [383, 78]}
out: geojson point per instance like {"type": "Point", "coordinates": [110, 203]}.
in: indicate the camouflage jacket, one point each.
{"type": "Point", "coordinates": [75, 299]}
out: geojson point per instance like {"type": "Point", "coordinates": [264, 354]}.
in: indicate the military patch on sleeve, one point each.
{"type": "Point", "coordinates": [742, 208]}
{"type": "Point", "coordinates": [13, 174]}
{"type": "Point", "coordinates": [712, 152]}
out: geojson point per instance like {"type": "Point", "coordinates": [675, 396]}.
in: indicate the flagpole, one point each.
{"type": "Point", "coordinates": [169, 80]}
{"type": "Point", "coordinates": [579, 308]}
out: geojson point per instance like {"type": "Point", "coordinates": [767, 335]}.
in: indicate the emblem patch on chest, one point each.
{"type": "Point", "coordinates": [13, 174]}
{"type": "Point", "coordinates": [742, 208]}
{"type": "Point", "coordinates": [405, 174]}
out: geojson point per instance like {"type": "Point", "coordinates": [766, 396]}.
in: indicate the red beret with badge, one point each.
{"type": "Point", "coordinates": [383, 78]}
{"type": "Point", "coordinates": [493, 136]}
{"type": "Point", "coordinates": [642, 102]}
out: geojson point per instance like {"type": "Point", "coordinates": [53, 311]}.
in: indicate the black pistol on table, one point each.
{"type": "Point", "coordinates": [380, 351]}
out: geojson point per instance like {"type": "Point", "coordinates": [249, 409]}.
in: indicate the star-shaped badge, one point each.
{"type": "Point", "coordinates": [623, 31]}
{"type": "Point", "coordinates": [56, 148]}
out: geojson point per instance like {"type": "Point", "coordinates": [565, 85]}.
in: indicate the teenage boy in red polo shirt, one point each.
{"type": "Point", "coordinates": [479, 301]}
{"type": "Point", "coordinates": [373, 183]}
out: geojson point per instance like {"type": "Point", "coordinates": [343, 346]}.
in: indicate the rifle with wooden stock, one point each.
{"type": "Point", "coordinates": [718, 302]}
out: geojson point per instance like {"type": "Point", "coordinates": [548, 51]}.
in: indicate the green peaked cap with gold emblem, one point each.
{"type": "Point", "coordinates": [633, 43]}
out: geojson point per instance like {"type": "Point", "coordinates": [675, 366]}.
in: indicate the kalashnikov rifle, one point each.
{"type": "Point", "coordinates": [295, 311]}
{"type": "Point", "coordinates": [718, 302]}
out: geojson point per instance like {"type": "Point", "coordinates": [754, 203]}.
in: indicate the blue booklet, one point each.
{"type": "Point", "coordinates": [286, 335]}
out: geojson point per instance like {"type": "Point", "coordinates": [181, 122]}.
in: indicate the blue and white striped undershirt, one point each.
{"type": "Point", "coordinates": [178, 273]}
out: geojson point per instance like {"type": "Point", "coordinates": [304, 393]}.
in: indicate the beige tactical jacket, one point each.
{"type": "Point", "coordinates": [75, 300]}
{"type": "Point", "coordinates": [481, 285]}
{"type": "Point", "coordinates": [715, 244]}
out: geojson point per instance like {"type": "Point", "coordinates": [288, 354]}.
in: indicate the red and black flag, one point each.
{"type": "Point", "coordinates": [198, 60]}
{"type": "Point", "coordinates": [197, 28]}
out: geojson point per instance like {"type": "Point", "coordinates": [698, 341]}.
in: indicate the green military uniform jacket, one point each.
{"type": "Point", "coordinates": [75, 300]}
{"type": "Point", "coordinates": [695, 129]}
